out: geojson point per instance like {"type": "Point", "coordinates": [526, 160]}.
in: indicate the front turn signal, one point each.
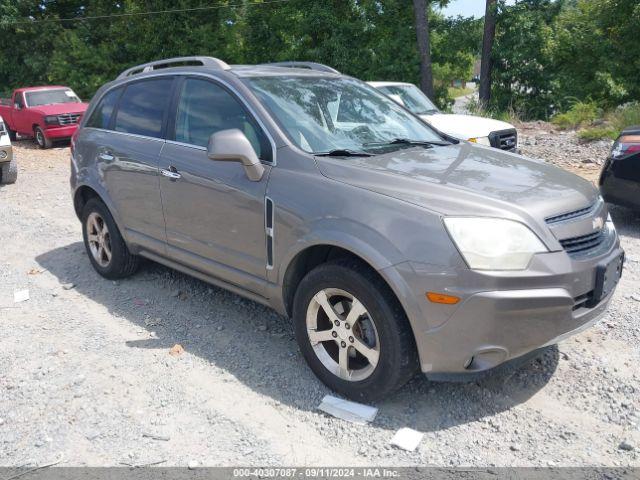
{"type": "Point", "coordinates": [442, 298]}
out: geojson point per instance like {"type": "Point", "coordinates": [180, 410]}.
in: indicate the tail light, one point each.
{"type": "Point", "coordinates": [626, 145]}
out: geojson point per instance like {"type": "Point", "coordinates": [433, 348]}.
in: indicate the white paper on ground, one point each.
{"type": "Point", "coordinates": [407, 439]}
{"type": "Point", "coordinates": [20, 296]}
{"type": "Point", "coordinates": [346, 410]}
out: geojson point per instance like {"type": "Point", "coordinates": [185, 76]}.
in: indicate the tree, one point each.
{"type": "Point", "coordinates": [424, 48]}
{"type": "Point", "coordinates": [487, 45]}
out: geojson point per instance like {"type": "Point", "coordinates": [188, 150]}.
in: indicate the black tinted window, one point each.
{"type": "Point", "coordinates": [205, 108]}
{"type": "Point", "coordinates": [142, 106]}
{"type": "Point", "coordinates": [101, 116]}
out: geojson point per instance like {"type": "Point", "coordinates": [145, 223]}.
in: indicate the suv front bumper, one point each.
{"type": "Point", "coordinates": [504, 315]}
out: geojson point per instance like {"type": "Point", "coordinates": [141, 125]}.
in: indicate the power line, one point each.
{"type": "Point", "coordinates": [156, 12]}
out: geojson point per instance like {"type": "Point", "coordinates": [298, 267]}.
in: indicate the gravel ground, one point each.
{"type": "Point", "coordinates": [87, 376]}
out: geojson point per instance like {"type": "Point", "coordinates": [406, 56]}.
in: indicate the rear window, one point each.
{"type": "Point", "coordinates": [101, 116]}
{"type": "Point", "coordinates": [142, 107]}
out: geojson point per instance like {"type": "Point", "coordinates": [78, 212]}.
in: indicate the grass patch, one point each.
{"type": "Point", "coordinates": [625, 116]}
{"type": "Point", "coordinates": [455, 92]}
{"type": "Point", "coordinates": [580, 114]}
{"type": "Point", "coordinates": [510, 115]}
{"type": "Point", "coordinates": [598, 133]}
{"type": "Point", "coordinates": [615, 121]}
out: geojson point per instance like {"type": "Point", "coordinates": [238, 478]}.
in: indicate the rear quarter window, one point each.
{"type": "Point", "coordinates": [143, 106]}
{"type": "Point", "coordinates": [101, 116]}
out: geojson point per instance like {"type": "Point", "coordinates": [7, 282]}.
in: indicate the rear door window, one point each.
{"type": "Point", "coordinates": [101, 116]}
{"type": "Point", "coordinates": [143, 106]}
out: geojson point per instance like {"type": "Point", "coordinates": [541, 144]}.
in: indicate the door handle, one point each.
{"type": "Point", "coordinates": [171, 172]}
{"type": "Point", "coordinates": [106, 157]}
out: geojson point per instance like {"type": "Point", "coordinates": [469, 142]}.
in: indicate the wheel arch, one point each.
{"type": "Point", "coordinates": [83, 193]}
{"type": "Point", "coordinates": [313, 255]}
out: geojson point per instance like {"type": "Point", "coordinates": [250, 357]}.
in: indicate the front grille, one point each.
{"type": "Point", "coordinates": [68, 118]}
{"type": "Point", "coordinates": [571, 215]}
{"type": "Point", "coordinates": [583, 243]}
{"type": "Point", "coordinates": [504, 139]}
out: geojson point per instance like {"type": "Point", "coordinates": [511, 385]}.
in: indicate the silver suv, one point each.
{"type": "Point", "coordinates": [392, 247]}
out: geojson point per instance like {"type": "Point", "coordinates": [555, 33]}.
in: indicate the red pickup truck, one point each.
{"type": "Point", "coordinates": [44, 113]}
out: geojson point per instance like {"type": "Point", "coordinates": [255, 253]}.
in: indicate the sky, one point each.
{"type": "Point", "coordinates": [467, 8]}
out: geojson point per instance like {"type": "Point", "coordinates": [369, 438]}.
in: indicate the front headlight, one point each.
{"type": "Point", "coordinates": [494, 243]}
{"type": "Point", "coordinates": [51, 120]}
{"type": "Point", "coordinates": [481, 141]}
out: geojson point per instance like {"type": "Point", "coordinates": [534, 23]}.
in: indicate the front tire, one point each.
{"type": "Point", "coordinates": [352, 330]}
{"type": "Point", "coordinates": [9, 171]}
{"type": "Point", "coordinates": [106, 248]}
{"type": "Point", "coordinates": [41, 139]}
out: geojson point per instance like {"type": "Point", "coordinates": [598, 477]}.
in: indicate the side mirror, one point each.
{"type": "Point", "coordinates": [233, 146]}
{"type": "Point", "coordinates": [17, 106]}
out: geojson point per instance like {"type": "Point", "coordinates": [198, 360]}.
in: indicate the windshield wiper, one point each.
{"type": "Point", "coordinates": [342, 152]}
{"type": "Point", "coordinates": [408, 141]}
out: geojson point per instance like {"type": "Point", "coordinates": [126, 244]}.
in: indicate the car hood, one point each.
{"type": "Point", "coordinates": [465, 126]}
{"type": "Point", "coordinates": [59, 108]}
{"type": "Point", "coordinates": [466, 179]}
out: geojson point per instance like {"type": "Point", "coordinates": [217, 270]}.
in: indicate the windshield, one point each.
{"type": "Point", "coordinates": [322, 114]}
{"type": "Point", "coordinates": [49, 97]}
{"type": "Point", "coordinates": [410, 97]}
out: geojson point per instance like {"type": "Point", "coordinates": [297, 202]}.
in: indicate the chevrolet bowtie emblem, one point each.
{"type": "Point", "coordinates": [598, 223]}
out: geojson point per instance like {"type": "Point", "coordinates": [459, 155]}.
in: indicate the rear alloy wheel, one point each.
{"type": "Point", "coordinates": [352, 330]}
{"type": "Point", "coordinates": [106, 248]}
{"type": "Point", "coordinates": [41, 139]}
{"type": "Point", "coordinates": [99, 239]}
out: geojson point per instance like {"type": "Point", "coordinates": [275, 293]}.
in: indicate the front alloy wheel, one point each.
{"type": "Point", "coordinates": [342, 334]}
{"type": "Point", "coordinates": [352, 331]}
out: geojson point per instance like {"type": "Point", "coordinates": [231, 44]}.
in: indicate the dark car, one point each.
{"type": "Point", "coordinates": [620, 177]}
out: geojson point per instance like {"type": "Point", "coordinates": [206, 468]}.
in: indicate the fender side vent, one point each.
{"type": "Point", "coordinates": [268, 227]}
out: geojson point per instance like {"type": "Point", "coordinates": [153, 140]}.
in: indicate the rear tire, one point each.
{"type": "Point", "coordinates": [41, 139]}
{"type": "Point", "coordinates": [12, 134]}
{"type": "Point", "coordinates": [105, 246]}
{"type": "Point", "coordinates": [9, 171]}
{"type": "Point", "coordinates": [382, 326]}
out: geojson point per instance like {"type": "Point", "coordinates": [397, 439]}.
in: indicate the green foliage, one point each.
{"type": "Point", "coordinates": [615, 121]}
{"type": "Point", "coordinates": [580, 114]}
{"type": "Point", "coordinates": [369, 39]}
{"type": "Point", "coordinates": [549, 52]}
{"type": "Point", "coordinates": [509, 114]}
{"type": "Point", "coordinates": [625, 116]}
{"type": "Point", "coordinates": [522, 77]}
{"type": "Point", "coordinates": [598, 133]}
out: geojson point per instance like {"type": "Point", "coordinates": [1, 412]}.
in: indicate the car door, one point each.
{"type": "Point", "coordinates": [20, 116]}
{"type": "Point", "coordinates": [127, 155]}
{"type": "Point", "coordinates": [214, 214]}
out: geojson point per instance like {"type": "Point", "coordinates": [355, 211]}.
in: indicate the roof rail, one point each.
{"type": "Point", "coordinates": [308, 65]}
{"type": "Point", "coordinates": [177, 61]}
